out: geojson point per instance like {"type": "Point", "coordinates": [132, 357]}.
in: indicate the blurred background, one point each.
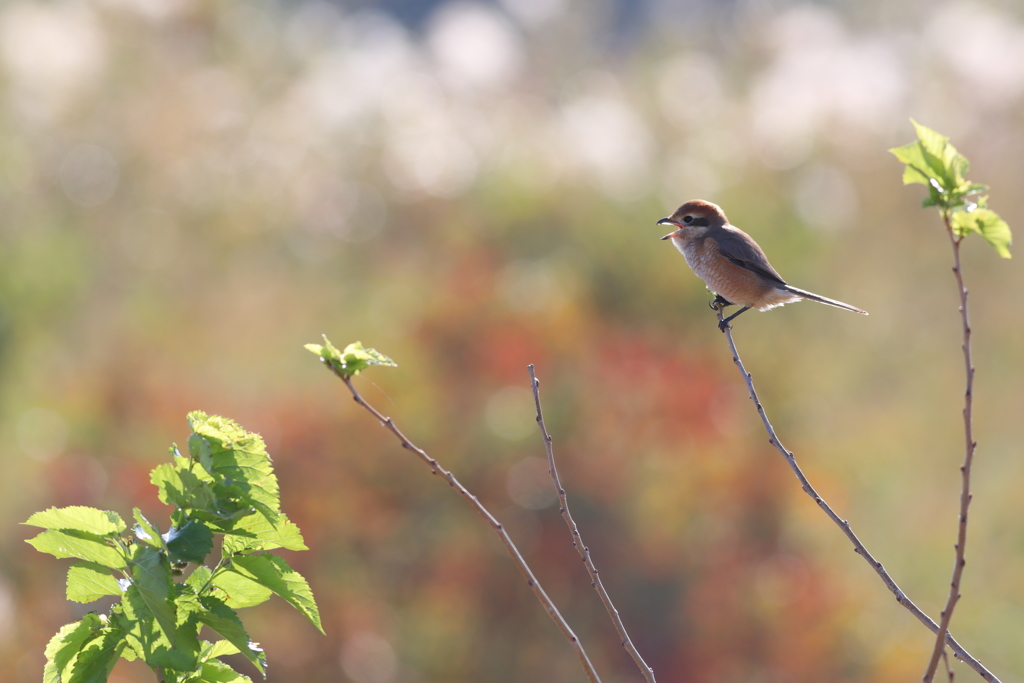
{"type": "Point", "coordinates": [192, 190]}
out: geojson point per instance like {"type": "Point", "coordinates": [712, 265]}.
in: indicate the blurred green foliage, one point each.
{"type": "Point", "coordinates": [191, 190]}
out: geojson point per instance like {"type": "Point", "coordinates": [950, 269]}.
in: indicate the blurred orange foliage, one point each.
{"type": "Point", "coordinates": [191, 191]}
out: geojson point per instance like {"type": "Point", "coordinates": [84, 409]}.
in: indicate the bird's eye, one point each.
{"type": "Point", "coordinates": [688, 219]}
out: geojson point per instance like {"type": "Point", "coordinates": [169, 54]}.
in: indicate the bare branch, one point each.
{"type": "Point", "coordinates": [858, 547]}
{"type": "Point", "coordinates": [577, 540]}
{"type": "Point", "coordinates": [513, 552]}
{"type": "Point", "coordinates": [965, 470]}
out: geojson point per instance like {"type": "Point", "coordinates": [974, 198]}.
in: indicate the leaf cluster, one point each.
{"type": "Point", "coordinates": [934, 163]}
{"type": "Point", "coordinates": [225, 487]}
{"type": "Point", "coordinates": [350, 361]}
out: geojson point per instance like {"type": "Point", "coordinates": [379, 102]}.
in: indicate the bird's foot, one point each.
{"type": "Point", "coordinates": [724, 325]}
{"type": "Point", "coordinates": [719, 302]}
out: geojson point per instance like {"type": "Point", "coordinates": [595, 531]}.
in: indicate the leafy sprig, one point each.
{"type": "Point", "coordinates": [352, 360]}
{"type": "Point", "coordinates": [225, 486]}
{"type": "Point", "coordinates": [934, 163]}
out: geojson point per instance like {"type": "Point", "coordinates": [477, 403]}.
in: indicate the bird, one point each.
{"type": "Point", "coordinates": [731, 263]}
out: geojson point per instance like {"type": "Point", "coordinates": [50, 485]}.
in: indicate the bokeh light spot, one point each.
{"type": "Point", "coordinates": [475, 46]}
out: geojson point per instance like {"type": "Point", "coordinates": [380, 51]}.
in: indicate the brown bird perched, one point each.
{"type": "Point", "coordinates": [730, 262]}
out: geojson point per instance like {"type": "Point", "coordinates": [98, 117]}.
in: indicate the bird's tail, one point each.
{"type": "Point", "coordinates": [822, 300]}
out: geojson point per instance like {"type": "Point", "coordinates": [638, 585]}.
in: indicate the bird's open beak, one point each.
{"type": "Point", "coordinates": [669, 221]}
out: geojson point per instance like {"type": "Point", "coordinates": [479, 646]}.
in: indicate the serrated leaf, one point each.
{"type": "Point", "coordinates": [912, 154]}
{"type": "Point", "coordinates": [103, 523]}
{"type": "Point", "coordinates": [220, 648]}
{"type": "Point", "coordinates": [223, 620]}
{"type": "Point", "coordinates": [149, 640]}
{"type": "Point", "coordinates": [274, 573]}
{"type": "Point", "coordinates": [354, 359]}
{"type": "Point", "coordinates": [933, 162]}
{"type": "Point", "coordinates": [943, 160]}
{"type": "Point", "coordinates": [193, 492]}
{"type": "Point", "coordinates": [191, 543]}
{"type": "Point", "coordinates": [986, 223]}
{"type": "Point", "coordinates": [88, 581]}
{"type": "Point", "coordinates": [237, 460]}
{"type": "Point", "coordinates": [151, 577]}
{"type": "Point", "coordinates": [63, 648]}
{"type": "Point", "coordinates": [239, 591]}
{"type": "Point", "coordinates": [256, 532]}
{"type": "Point", "coordinates": [145, 531]}
{"type": "Point", "coordinates": [198, 578]}
{"type": "Point", "coordinates": [84, 546]}
{"type": "Point", "coordinates": [216, 671]}
{"type": "Point", "coordinates": [187, 602]}
{"type": "Point", "coordinates": [97, 659]}
{"type": "Point", "coordinates": [181, 487]}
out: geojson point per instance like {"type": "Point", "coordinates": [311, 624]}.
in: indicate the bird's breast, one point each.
{"type": "Point", "coordinates": [737, 284]}
{"type": "Point", "coordinates": [698, 257]}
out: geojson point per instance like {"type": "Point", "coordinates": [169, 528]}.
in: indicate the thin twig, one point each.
{"type": "Point", "coordinates": [858, 547]}
{"type": "Point", "coordinates": [513, 552]}
{"type": "Point", "coordinates": [577, 540]}
{"type": "Point", "coordinates": [949, 669]}
{"type": "Point", "coordinates": [965, 470]}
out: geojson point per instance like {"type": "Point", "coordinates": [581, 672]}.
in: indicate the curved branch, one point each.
{"type": "Point", "coordinates": [844, 525]}
{"type": "Point", "coordinates": [577, 540]}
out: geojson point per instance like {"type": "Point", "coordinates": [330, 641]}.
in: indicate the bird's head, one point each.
{"type": "Point", "coordinates": [693, 218]}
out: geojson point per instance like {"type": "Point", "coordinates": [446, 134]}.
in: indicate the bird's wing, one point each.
{"type": "Point", "coordinates": [739, 248]}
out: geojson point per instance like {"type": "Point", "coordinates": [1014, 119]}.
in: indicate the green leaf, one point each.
{"type": "Point", "coordinates": [179, 486]}
{"type": "Point", "coordinates": [63, 648]}
{"type": "Point", "coordinates": [237, 460]}
{"type": "Point", "coordinates": [146, 532]}
{"type": "Point", "coordinates": [198, 578]}
{"type": "Point", "coordinates": [103, 523]}
{"type": "Point", "coordinates": [80, 544]}
{"type": "Point", "coordinates": [97, 659]}
{"type": "Point", "coordinates": [226, 623]}
{"type": "Point", "coordinates": [191, 543]}
{"type": "Point", "coordinates": [216, 671]}
{"type": "Point", "coordinates": [194, 492]}
{"type": "Point", "coordinates": [354, 359]}
{"type": "Point", "coordinates": [151, 577]}
{"type": "Point", "coordinates": [256, 532]}
{"type": "Point", "coordinates": [942, 157]}
{"type": "Point", "coordinates": [986, 223]}
{"type": "Point", "coordinates": [88, 581]}
{"type": "Point", "coordinates": [221, 648]}
{"type": "Point", "coordinates": [239, 591]}
{"type": "Point", "coordinates": [148, 638]}
{"type": "Point", "coordinates": [274, 573]}
{"type": "Point", "coordinates": [933, 162]}
{"type": "Point", "coordinates": [187, 601]}
{"type": "Point", "coordinates": [912, 154]}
